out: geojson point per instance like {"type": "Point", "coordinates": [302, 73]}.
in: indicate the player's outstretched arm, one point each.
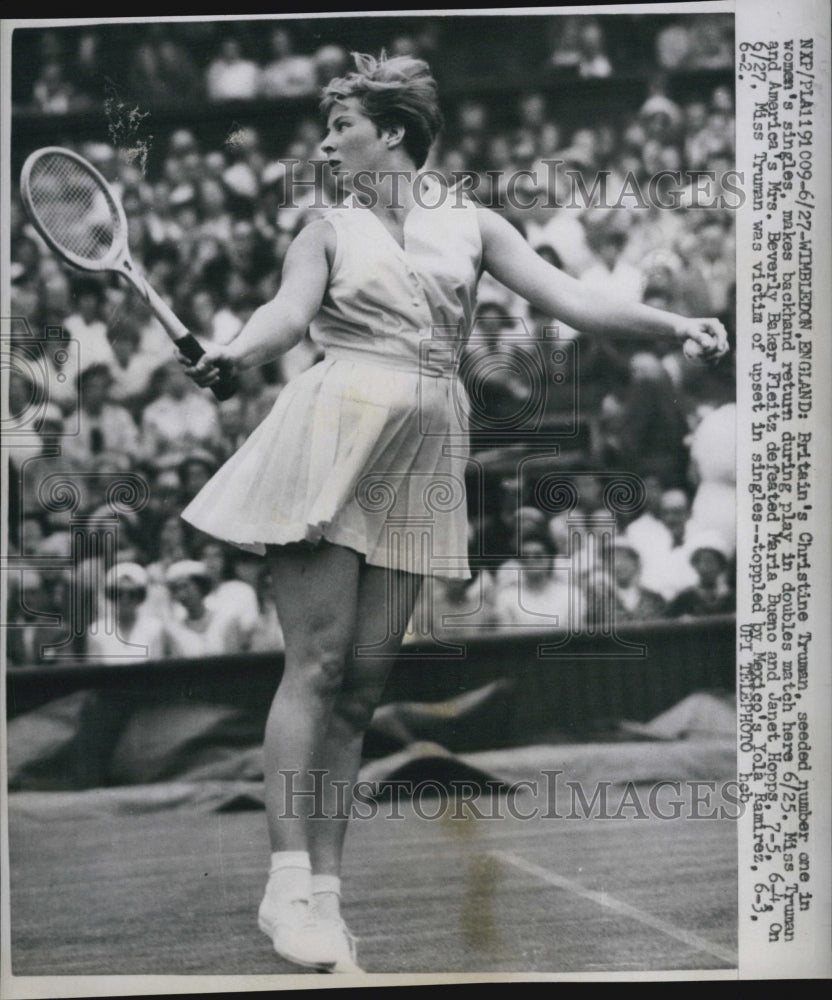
{"type": "Point", "coordinates": [278, 325]}
{"type": "Point", "coordinates": [512, 261]}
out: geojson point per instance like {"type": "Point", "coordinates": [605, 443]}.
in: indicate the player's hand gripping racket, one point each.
{"type": "Point", "coordinates": [78, 214]}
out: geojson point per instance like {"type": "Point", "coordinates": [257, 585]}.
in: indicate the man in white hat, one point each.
{"type": "Point", "coordinates": [127, 632]}
{"type": "Point", "coordinates": [193, 628]}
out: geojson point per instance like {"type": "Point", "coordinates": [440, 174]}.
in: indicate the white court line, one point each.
{"type": "Point", "coordinates": [611, 903]}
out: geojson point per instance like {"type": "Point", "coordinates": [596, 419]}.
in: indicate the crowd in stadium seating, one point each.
{"type": "Point", "coordinates": [242, 60]}
{"type": "Point", "coordinates": [210, 227]}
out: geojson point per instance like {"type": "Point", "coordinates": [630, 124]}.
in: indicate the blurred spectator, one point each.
{"type": "Point", "coordinates": [611, 271]}
{"type": "Point", "coordinates": [23, 394]}
{"type": "Point", "coordinates": [179, 70]}
{"type": "Point", "coordinates": [565, 55]}
{"type": "Point", "coordinates": [661, 119]}
{"type": "Point", "coordinates": [164, 501]}
{"type": "Point", "coordinates": [192, 629]}
{"type": "Point", "coordinates": [652, 424]}
{"type": "Point", "coordinates": [231, 76]}
{"type": "Point", "coordinates": [31, 469]}
{"type": "Point", "coordinates": [462, 608]}
{"type": "Point", "coordinates": [531, 111]}
{"type": "Point", "coordinates": [674, 513]}
{"type": "Point", "coordinates": [673, 45]}
{"type": "Point", "coordinates": [209, 322]}
{"type": "Point", "coordinates": [194, 471]}
{"type": "Point", "coordinates": [163, 69]}
{"type": "Point", "coordinates": [145, 76]}
{"type": "Point", "coordinates": [287, 74]}
{"type": "Point", "coordinates": [55, 296]}
{"type": "Point", "coordinates": [712, 267]}
{"type": "Point", "coordinates": [25, 258]}
{"type": "Point", "coordinates": [711, 43]}
{"type": "Point", "coordinates": [169, 545]}
{"type": "Point", "coordinates": [665, 285]}
{"type": "Point", "coordinates": [86, 324]}
{"type": "Point", "coordinates": [632, 601]}
{"type": "Point", "coordinates": [539, 596]}
{"type": "Point", "coordinates": [711, 594]}
{"type": "Point", "coordinates": [330, 61]}
{"type": "Point", "coordinates": [233, 598]}
{"type": "Point", "coordinates": [130, 368]}
{"type": "Point", "coordinates": [403, 45]}
{"type": "Point", "coordinates": [88, 67]}
{"type": "Point", "coordinates": [715, 136]}
{"type": "Point", "coordinates": [38, 631]}
{"type": "Point", "coordinates": [180, 417]}
{"type": "Point", "coordinates": [556, 222]}
{"type": "Point", "coordinates": [26, 604]}
{"type": "Point", "coordinates": [472, 117]}
{"type": "Point", "coordinates": [31, 535]}
{"type": "Point", "coordinates": [105, 427]}
{"type": "Point", "coordinates": [129, 631]}
{"type": "Point", "coordinates": [503, 532]}
{"type": "Point", "coordinates": [714, 475]}
{"type": "Point", "coordinates": [267, 635]}
{"type": "Point", "coordinates": [52, 91]}
{"type": "Point", "coordinates": [643, 530]}
{"type": "Point", "coordinates": [163, 232]}
{"type": "Point", "coordinates": [665, 557]}
{"type": "Point", "coordinates": [232, 428]}
{"type": "Point", "coordinates": [592, 57]}
{"type": "Point", "coordinates": [488, 370]}
{"type": "Point", "coordinates": [213, 209]}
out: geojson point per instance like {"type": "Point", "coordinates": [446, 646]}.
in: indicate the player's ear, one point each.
{"type": "Point", "coordinates": [393, 135]}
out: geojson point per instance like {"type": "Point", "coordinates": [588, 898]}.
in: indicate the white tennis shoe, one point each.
{"type": "Point", "coordinates": [296, 935]}
{"type": "Point", "coordinates": [341, 942]}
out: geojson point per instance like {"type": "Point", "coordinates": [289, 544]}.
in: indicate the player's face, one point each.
{"type": "Point", "coordinates": [352, 142]}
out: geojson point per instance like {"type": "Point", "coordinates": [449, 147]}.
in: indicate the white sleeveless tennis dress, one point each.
{"type": "Point", "coordinates": [368, 448]}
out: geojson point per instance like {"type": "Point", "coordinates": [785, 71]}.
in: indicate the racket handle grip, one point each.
{"type": "Point", "coordinates": [192, 349]}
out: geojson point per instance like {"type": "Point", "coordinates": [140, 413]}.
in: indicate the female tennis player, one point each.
{"type": "Point", "coordinates": [353, 485]}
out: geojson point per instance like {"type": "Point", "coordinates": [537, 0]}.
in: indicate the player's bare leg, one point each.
{"type": "Point", "coordinates": [385, 604]}
{"type": "Point", "coordinates": [316, 593]}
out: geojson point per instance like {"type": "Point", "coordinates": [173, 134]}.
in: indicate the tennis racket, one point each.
{"type": "Point", "coordinates": [80, 217]}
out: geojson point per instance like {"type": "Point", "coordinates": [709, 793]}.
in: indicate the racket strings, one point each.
{"type": "Point", "coordinates": [72, 207]}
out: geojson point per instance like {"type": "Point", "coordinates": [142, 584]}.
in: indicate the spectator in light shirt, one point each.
{"type": "Point", "coordinates": [539, 597]}
{"type": "Point", "coordinates": [192, 629]}
{"type": "Point", "coordinates": [287, 74]}
{"type": "Point", "coordinates": [86, 325]}
{"type": "Point", "coordinates": [104, 427]}
{"type": "Point", "coordinates": [664, 556]}
{"type": "Point", "coordinates": [129, 631]}
{"type": "Point", "coordinates": [231, 76]}
{"type": "Point", "coordinates": [181, 418]}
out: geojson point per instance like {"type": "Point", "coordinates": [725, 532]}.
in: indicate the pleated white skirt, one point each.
{"type": "Point", "coordinates": [360, 454]}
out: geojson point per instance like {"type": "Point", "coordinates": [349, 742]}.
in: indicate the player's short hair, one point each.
{"type": "Point", "coordinates": [396, 91]}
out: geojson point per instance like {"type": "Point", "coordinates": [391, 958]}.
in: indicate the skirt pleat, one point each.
{"type": "Point", "coordinates": [357, 454]}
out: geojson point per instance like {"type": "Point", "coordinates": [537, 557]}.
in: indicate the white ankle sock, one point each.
{"type": "Point", "coordinates": [326, 895]}
{"type": "Point", "coordinates": [290, 876]}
